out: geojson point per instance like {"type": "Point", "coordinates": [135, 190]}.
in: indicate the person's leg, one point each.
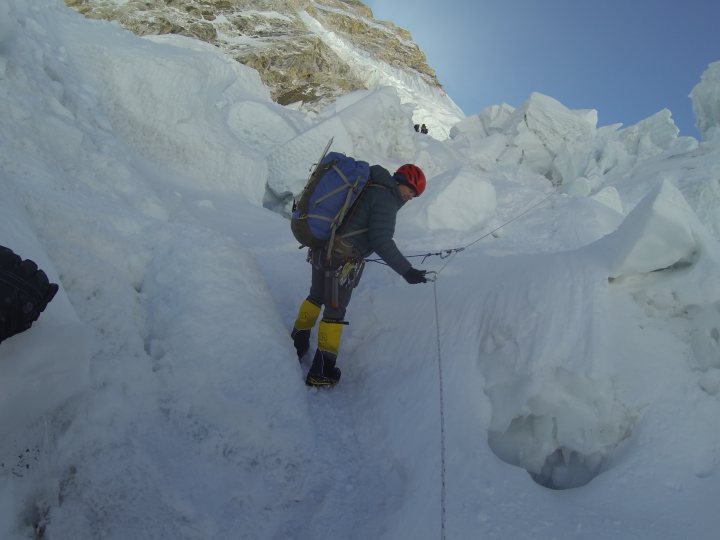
{"type": "Point", "coordinates": [323, 371]}
{"type": "Point", "coordinates": [309, 310]}
{"type": "Point", "coordinates": [304, 323]}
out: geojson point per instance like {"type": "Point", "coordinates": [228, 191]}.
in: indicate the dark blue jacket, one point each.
{"type": "Point", "coordinates": [375, 211]}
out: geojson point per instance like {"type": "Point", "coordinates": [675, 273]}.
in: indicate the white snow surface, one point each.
{"type": "Point", "coordinates": [560, 379]}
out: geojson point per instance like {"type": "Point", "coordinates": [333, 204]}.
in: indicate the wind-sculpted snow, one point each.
{"type": "Point", "coordinates": [152, 99]}
{"type": "Point", "coordinates": [554, 413]}
{"type": "Point", "coordinates": [576, 336]}
{"type": "Point", "coordinates": [54, 363]}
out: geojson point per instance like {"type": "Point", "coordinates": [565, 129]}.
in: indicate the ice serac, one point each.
{"type": "Point", "coordinates": [706, 103]}
{"type": "Point", "coordinates": [660, 232]}
{"type": "Point", "coordinates": [564, 145]}
{"type": "Point", "coordinates": [650, 136]}
{"type": "Point", "coordinates": [542, 135]}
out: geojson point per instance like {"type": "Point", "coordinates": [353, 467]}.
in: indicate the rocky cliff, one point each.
{"type": "Point", "coordinates": [308, 52]}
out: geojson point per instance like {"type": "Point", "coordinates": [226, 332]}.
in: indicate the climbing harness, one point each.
{"type": "Point", "coordinates": [349, 273]}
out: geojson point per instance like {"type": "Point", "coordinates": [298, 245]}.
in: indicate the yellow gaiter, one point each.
{"type": "Point", "coordinates": [307, 315]}
{"type": "Point", "coordinates": [329, 334]}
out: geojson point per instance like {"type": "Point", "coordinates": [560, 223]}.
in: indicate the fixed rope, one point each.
{"type": "Point", "coordinates": [442, 417]}
{"type": "Point", "coordinates": [450, 254]}
{"type": "Point", "coordinates": [432, 276]}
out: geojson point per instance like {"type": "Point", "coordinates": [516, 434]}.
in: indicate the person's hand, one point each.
{"type": "Point", "coordinates": [414, 276]}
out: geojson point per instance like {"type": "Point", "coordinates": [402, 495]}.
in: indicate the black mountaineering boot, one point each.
{"type": "Point", "coordinates": [323, 371]}
{"type": "Point", "coordinates": [301, 340]}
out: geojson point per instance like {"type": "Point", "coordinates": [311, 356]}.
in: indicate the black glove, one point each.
{"type": "Point", "coordinates": [414, 276]}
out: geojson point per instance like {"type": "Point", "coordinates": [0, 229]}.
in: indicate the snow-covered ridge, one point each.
{"type": "Point", "coordinates": [429, 104]}
{"type": "Point", "coordinates": [307, 53]}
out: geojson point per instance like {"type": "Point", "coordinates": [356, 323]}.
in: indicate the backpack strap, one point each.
{"type": "Point", "coordinates": [353, 233]}
{"type": "Point", "coordinates": [349, 186]}
{"type": "Point", "coordinates": [346, 207]}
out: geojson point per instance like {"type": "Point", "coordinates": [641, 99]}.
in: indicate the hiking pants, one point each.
{"type": "Point", "coordinates": [329, 287]}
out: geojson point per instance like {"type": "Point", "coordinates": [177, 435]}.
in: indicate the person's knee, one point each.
{"type": "Point", "coordinates": [334, 313]}
{"type": "Point", "coordinates": [315, 299]}
{"type": "Point", "coordinates": [307, 315]}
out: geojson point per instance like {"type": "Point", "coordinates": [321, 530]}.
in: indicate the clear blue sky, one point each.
{"type": "Point", "coordinates": [627, 59]}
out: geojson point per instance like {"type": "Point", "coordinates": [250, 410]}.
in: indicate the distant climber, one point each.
{"type": "Point", "coordinates": [369, 228]}
{"type": "Point", "coordinates": [423, 129]}
{"type": "Point", "coordinates": [417, 127]}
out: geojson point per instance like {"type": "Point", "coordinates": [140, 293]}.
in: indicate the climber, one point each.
{"type": "Point", "coordinates": [369, 228]}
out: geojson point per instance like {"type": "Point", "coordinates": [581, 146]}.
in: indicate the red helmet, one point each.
{"type": "Point", "coordinates": [413, 176]}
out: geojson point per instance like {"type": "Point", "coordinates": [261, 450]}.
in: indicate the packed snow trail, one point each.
{"type": "Point", "coordinates": [357, 492]}
{"type": "Point", "coordinates": [351, 488]}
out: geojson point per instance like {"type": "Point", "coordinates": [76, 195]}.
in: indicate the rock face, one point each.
{"type": "Point", "coordinates": [286, 41]}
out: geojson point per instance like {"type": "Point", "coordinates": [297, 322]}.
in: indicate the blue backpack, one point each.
{"type": "Point", "coordinates": [333, 187]}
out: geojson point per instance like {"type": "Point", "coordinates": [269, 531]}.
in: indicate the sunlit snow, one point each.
{"type": "Point", "coordinates": [577, 336]}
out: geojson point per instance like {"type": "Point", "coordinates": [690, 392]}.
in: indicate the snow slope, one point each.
{"type": "Point", "coordinates": [560, 379]}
